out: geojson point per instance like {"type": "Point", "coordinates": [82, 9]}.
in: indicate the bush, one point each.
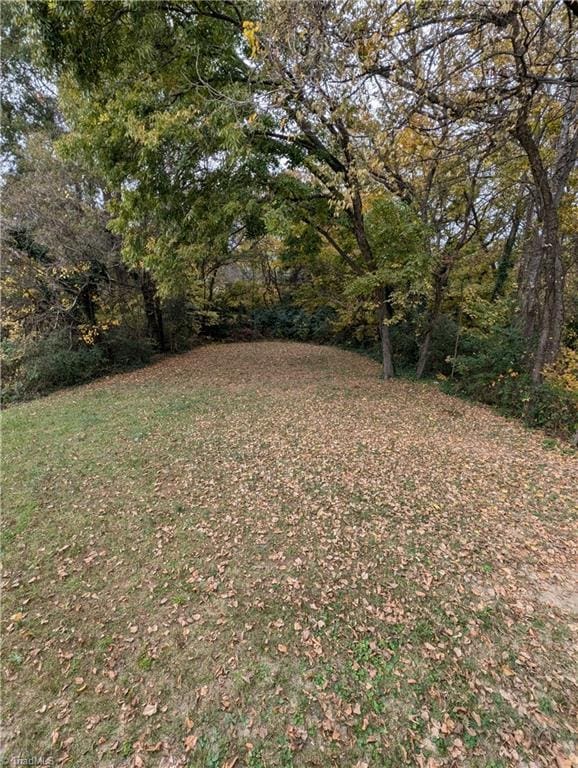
{"type": "Point", "coordinates": [125, 351]}
{"type": "Point", "coordinates": [493, 371]}
{"type": "Point", "coordinates": [289, 322]}
{"type": "Point", "coordinates": [405, 348]}
{"type": "Point", "coordinates": [553, 409]}
{"type": "Point", "coordinates": [486, 362]}
{"type": "Point", "coordinates": [36, 366]}
{"type": "Point", "coordinates": [442, 345]}
{"type": "Point", "coordinates": [227, 324]}
{"type": "Point", "coordinates": [181, 323]}
{"type": "Point", "coordinates": [564, 373]}
{"type": "Point", "coordinates": [55, 366]}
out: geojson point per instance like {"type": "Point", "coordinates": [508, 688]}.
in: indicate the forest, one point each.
{"type": "Point", "coordinates": [289, 383]}
{"type": "Point", "coordinates": [399, 179]}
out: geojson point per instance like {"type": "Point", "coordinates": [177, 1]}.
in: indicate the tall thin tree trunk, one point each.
{"type": "Point", "coordinates": [506, 260]}
{"type": "Point", "coordinates": [153, 310]}
{"type": "Point", "coordinates": [529, 279]}
{"type": "Point", "coordinates": [384, 313]}
{"type": "Point", "coordinates": [440, 281]}
{"type": "Point", "coordinates": [211, 284]}
{"type": "Point", "coordinates": [547, 274]}
{"type": "Point", "coordinates": [424, 348]}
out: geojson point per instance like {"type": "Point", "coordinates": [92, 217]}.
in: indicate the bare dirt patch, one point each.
{"type": "Point", "coordinates": [560, 592]}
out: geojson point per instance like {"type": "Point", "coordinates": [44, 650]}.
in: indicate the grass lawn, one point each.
{"type": "Point", "coordinates": [262, 555]}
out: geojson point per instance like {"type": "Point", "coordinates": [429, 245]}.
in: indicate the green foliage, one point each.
{"type": "Point", "coordinates": [126, 350]}
{"type": "Point", "coordinates": [396, 237]}
{"type": "Point", "coordinates": [491, 369]}
{"type": "Point", "coordinates": [443, 345]}
{"type": "Point", "coordinates": [180, 326]}
{"type": "Point", "coordinates": [487, 364]}
{"type": "Point", "coordinates": [290, 322]}
{"type": "Point", "coordinates": [36, 366]}
{"type": "Point", "coordinates": [552, 409]}
{"type": "Point", "coordinates": [27, 93]}
{"type": "Point", "coordinates": [48, 363]}
{"type": "Point", "coordinates": [150, 124]}
{"type": "Point", "coordinates": [403, 339]}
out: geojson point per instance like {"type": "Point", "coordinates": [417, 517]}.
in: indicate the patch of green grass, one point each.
{"type": "Point", "coordinates": [145, 662]}
{"type": "Point", "coordinates": [546, 705]}
{"type": "Point", "coordinates": [549, 443]}
{"type": "Point", "coordinates": [126, 749]}
{"type": "Point", "coordinates": [442, 746]}
{"type": "Point", "coordinates": [255, 759]}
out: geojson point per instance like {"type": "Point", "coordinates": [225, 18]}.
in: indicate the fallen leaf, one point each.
{"type": "Point", "coordinates": [190, 742]}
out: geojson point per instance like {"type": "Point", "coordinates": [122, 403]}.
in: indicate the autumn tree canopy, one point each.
{"type": "Point", "coordinates": [394, 177]}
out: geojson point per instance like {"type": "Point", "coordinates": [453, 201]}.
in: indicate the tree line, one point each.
{"type": "Point", "coordinates": [397, 177]}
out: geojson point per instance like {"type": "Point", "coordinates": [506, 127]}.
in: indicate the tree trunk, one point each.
{"type": "Point", "coordinates": [440, 281]}
{"type": "Point", "coordinates": [212, 279]}
{"type": "Point", "coordinates": [384, 313]}
{"type": "Point", "coordinates": [87, 300]}
{"type": "Point", "coordinates": [424, 348]}
{"type": "Point", "coordinates": [552, 315]}
{"type": "Point", "coordinates": [153, 310]}
{"type": "Point", "coordinates": [546, 279]}
{"type": "Point", "coordinates": [506, 260]}
{"type": "Point", "coordinates": [529, 278]}
{"type": "Point", "coordinates": [541, 296]}
{"type": "Point", "coordinates": [160, 325]}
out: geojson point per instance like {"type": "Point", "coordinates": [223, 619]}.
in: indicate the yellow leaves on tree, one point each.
{"type": "Point", "coordinates": [250, 31]}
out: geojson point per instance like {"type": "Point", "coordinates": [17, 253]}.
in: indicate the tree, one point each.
{"type": "Point", "coordinates": [509, 74]}
{"type": "Point", "coordinates": [313, 86]}
{"type": "Point", "coordinates": [164, 128]}
{"type": "Point", "coordinates": [450, 128]}
{"type": "Point", "coordinates": [54, 230]}
{"type": "Point", "coordinates": [62, 268]}
{"type": "Point", "coordinates": [27, 91]}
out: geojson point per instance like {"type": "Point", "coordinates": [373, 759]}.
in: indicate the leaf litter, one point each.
{"type": "Point", "coordinates": [296, 564]}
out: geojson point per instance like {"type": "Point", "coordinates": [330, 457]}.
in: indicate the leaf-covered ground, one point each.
{"type": "Point", "coordinates": [262, 555]}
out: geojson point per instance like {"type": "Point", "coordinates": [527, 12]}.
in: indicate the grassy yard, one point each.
{"type": "Point", "coordinates": [262, 555]}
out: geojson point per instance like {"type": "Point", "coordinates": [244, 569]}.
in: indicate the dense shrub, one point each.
{"type": "Point", "coordinates": [553, 409]}
{"type": "Point", "coordinates": [564, 373]}
{"type": "Point", "coordinates": [182, 323]}
{"type": "Point", "coordinates": [54, 365]}
{"type": "Point", "coordinates": [405, 348]}
{"type": "Point", "coordinates": [124, 350]}
{"type": "Point", "coordinates": [290, 322]}
{"type": "Point", "coordinates": [228, 324]}
{"type": "Point", "coordinates": [35, 366]}
{"type": "Point", "coordinates": [487, 364]}
{"type": "Point", "coordinates": [41, 365]}
{"type": "Point", "coordinates": [492, 370]}
{"type": "Point", "coordinates": [442, 346]}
